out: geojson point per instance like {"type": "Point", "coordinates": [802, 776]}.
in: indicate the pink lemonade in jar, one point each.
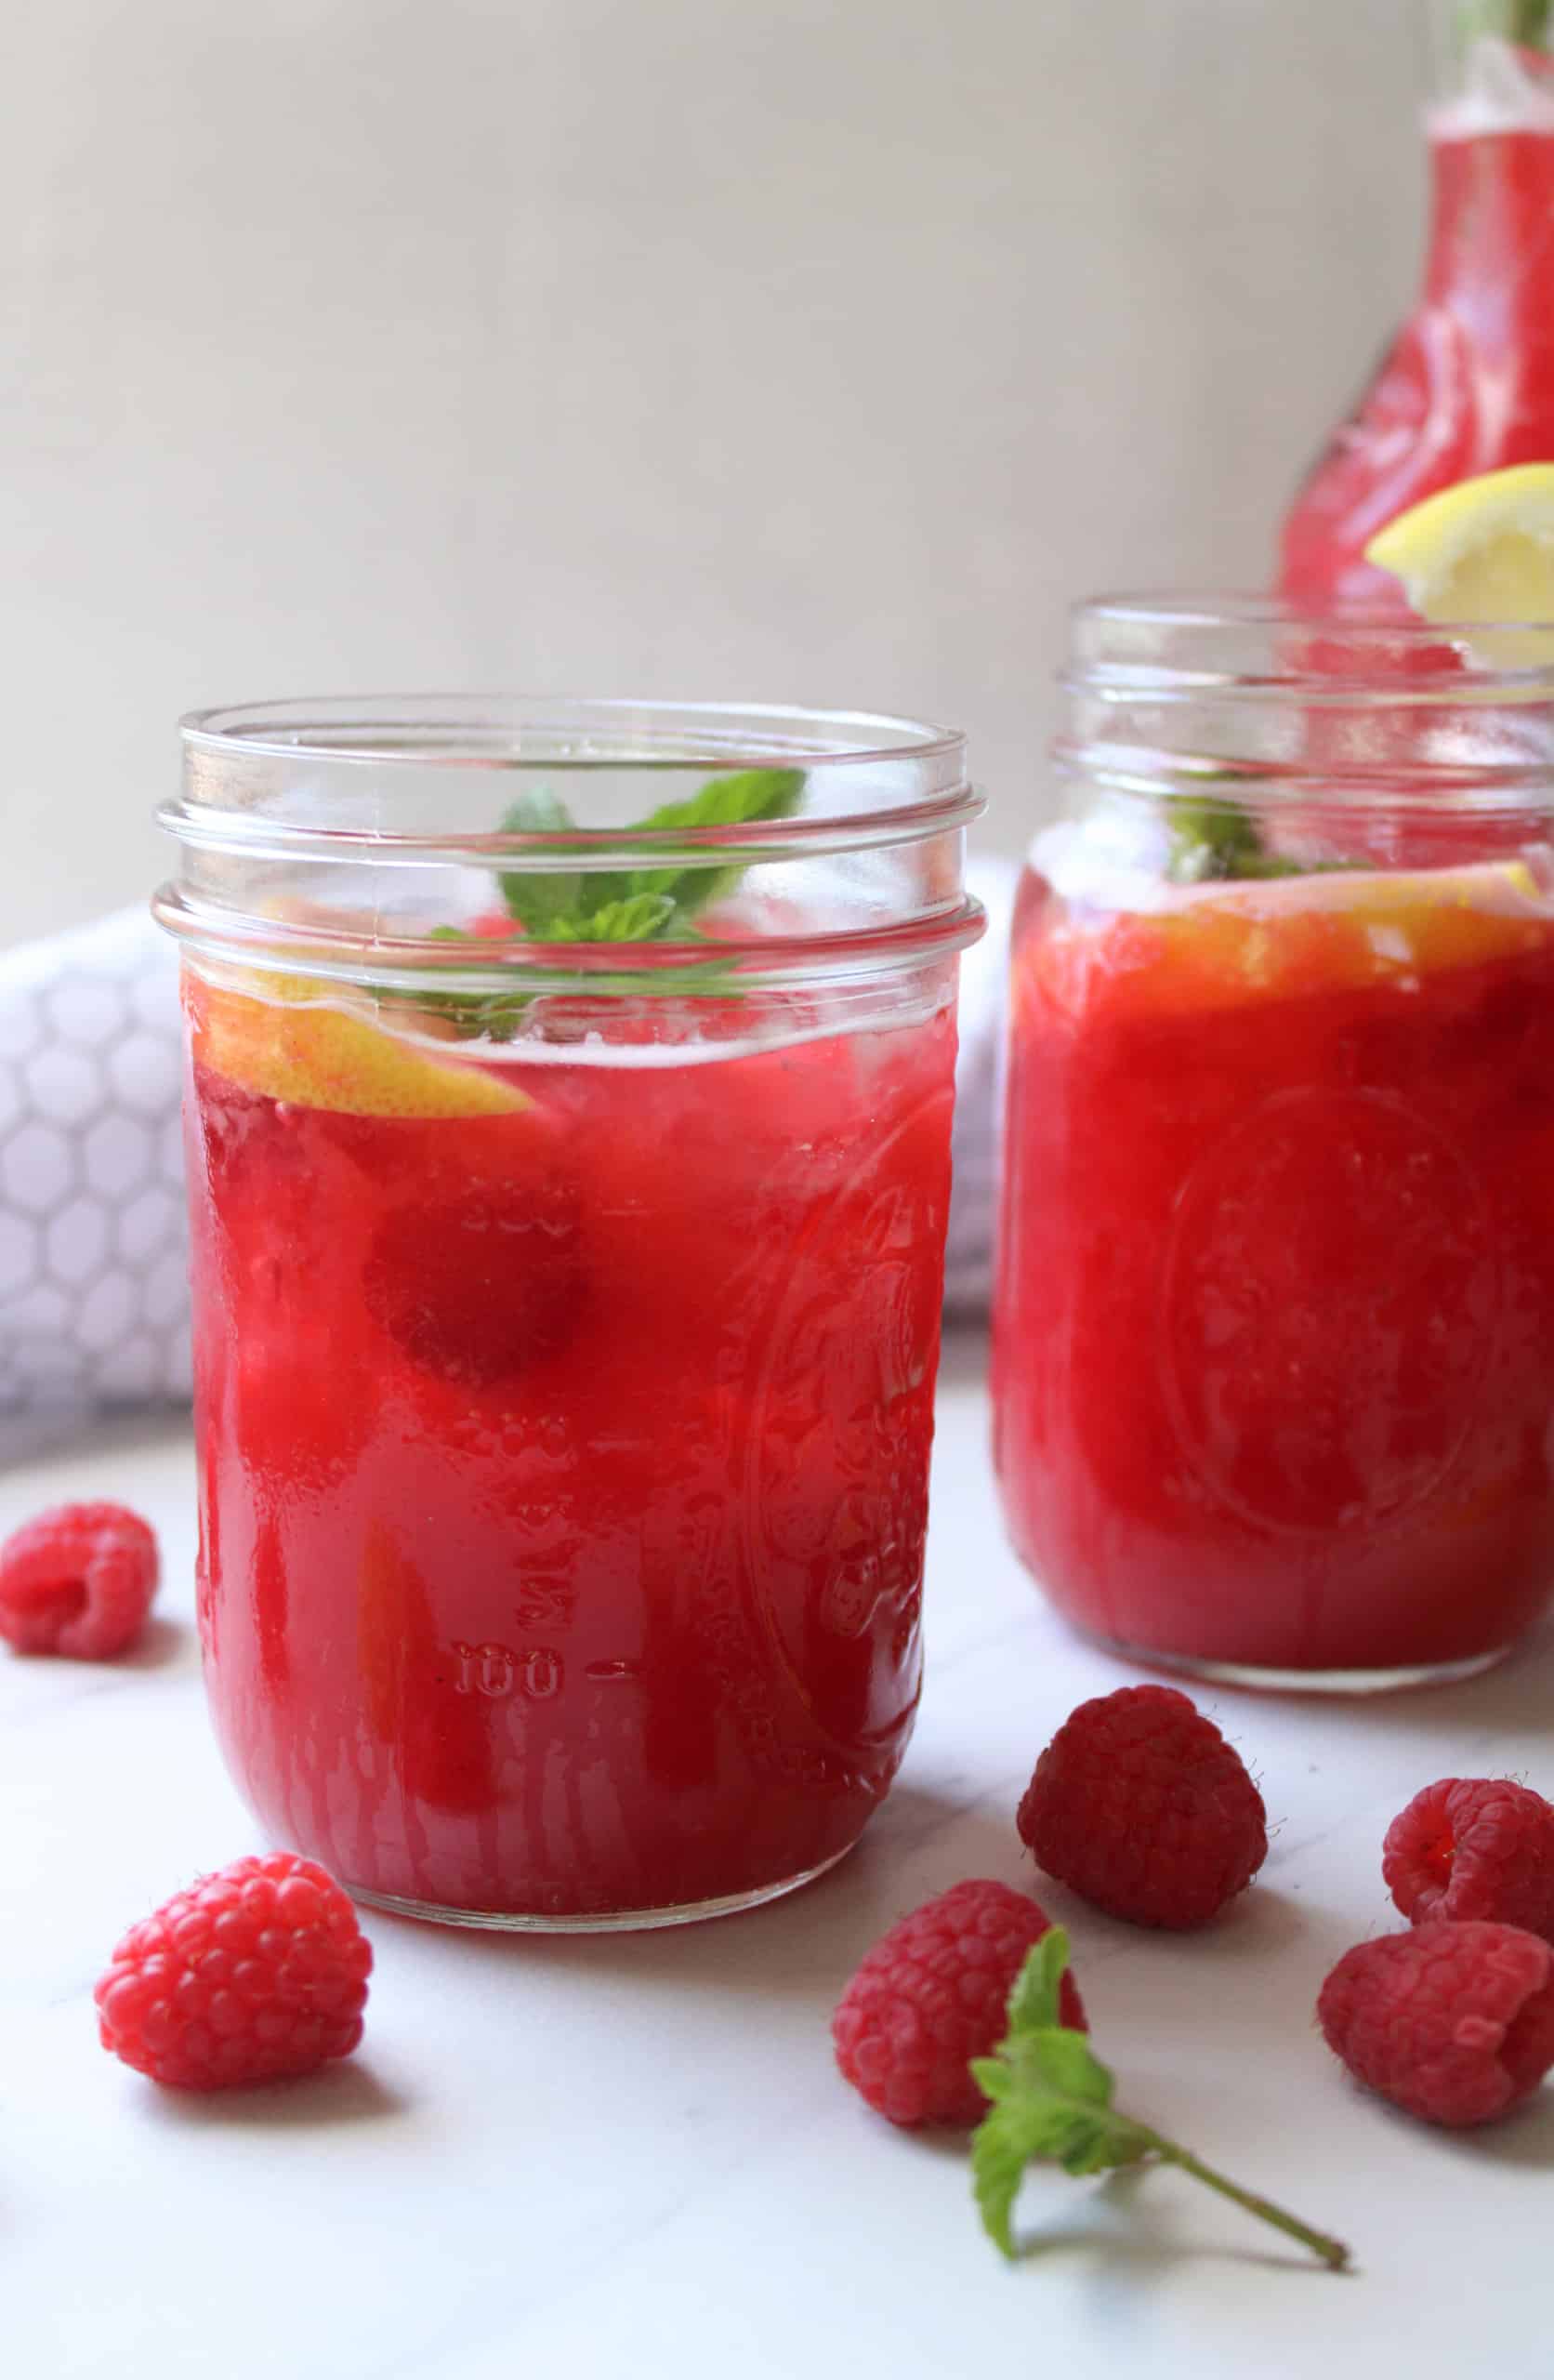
{"type": "Point", "coordinates": [564, 1407]}
{"type": "Point", "coordinates": [1274, 1363]}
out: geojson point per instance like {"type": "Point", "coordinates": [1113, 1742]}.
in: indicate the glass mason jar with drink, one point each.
{"type": "Point", "coordinates": [1274, 1340]}
{"type": "Point", "coordinates": [568, 1123]}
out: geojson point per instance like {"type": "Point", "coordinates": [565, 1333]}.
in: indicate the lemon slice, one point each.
{"type": "Point", "coordinates": [1482, 550]}
{"type": "Point", "coordinates": [290, 1045]}
{"type": "Point", "coordinates": [1225, 946]}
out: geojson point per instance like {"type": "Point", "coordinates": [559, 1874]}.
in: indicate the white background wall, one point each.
{"type": "Point", "coordinates": [811, 350]}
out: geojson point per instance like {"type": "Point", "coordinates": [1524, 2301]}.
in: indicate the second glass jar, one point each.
{"type": "Point", "coordinates": [1274, 1337]}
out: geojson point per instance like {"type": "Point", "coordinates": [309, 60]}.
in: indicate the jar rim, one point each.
{"type": "Point", "coordinates": [1249, 644]}
{"type": "Point", "coordinates": [917, 781]}
{"type": "Point", "coordinates": [1242, 607]}
{"type": "Point", "coordinates": [306, 785]}
{"type": "Point", "coordinates": [752, 733]}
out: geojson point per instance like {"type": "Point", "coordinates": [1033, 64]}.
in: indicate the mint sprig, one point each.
{"type": "Point", "coordinates": [610, 905]}
{"type": "Point", "coordinates": [640, 918]}
{"type": "Point", "coordinates": [540, 903]}
{"type": "Point", "coordinates": [641, 904]}
{"type": "Point", "coordinates": [1052, 2103]}
{"type": "Point", "coordinates": [1213, 840]}
{"type": "Point", "coordinates": [749, 798]}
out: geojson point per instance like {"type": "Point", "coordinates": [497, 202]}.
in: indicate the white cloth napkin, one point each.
{"type": "Point", "coordinates": [94, 1289]}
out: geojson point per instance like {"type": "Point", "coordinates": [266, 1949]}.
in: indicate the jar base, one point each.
{"type": "Point", "coordinates": [628, 1921]}
{"type": "Point", "coordinates": [1252, 1679]}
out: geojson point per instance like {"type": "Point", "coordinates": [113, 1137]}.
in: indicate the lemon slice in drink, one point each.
{"type": "Point", "coordinates": [1482, 550]}
{"type": "Point", "coordinates": [297, 1043]}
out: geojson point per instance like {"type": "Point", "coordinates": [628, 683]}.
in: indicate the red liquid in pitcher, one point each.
{"type": "Point", "coordinates": [563, 1472]}
{"type": "Point", "coordinates": [1467, 385]}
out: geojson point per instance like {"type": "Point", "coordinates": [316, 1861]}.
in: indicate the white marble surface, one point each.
{"type": "Point", "coordinates": [600, 2158]}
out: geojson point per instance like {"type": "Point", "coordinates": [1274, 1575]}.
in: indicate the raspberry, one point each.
{"type": "Point", "coordinates": [1474, 1846]}
{"type": "Point", "coordinates": [258, 1971]}
{"type": "Point", "coordinates": [1453, 2022]}
{"type": "Point", "coordinates": [933, 1995]}
{"type": "Point", "coordinates": [1140, 1805]}
{"type": "Point", "coordinates": [482, 1283]}
{"type": "Point", "coordinates": [78, 1579]}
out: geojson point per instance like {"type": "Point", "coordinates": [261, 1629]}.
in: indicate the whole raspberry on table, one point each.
{"type": "Point", "coordinates": [257, 1972]}
{"type": "Point", "coordinates": [1474, 1846]}
{"type": "Point", "coordinates": [932, 1994]}
{"type": "Point", "coordinates": [1140, 1805]}
{"type": "Point", "coordinates": [77, 1579]}
{"type": "Point", "coordinates": [1453, 2022]}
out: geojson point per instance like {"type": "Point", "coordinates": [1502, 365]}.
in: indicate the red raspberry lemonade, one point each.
{"type": "Point", "coordinates": [564, 1416]}
{"type": "Point", "coordinates": [1274, 1348]}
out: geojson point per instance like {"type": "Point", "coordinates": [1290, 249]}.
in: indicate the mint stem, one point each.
{"type": "Point", "coordinates": [1321, 2243]}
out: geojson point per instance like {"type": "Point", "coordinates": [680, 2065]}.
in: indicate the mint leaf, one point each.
{"type": "Point", "coordinates": [1052, 2102]}
{"type": "Point", "coordinates": [642, 904]}
{"type": "Point", "coordinates": [540, 900]}
{"type": "Point", "coordinates": [475, 1016]}
{"type": "Point", "coordinates": [1212, 840]}
{"type": "Point", "coordinates": [747, 798]}
{"type": "Point", "coordinates": [638, 918]}
{"type": "Point", "coordinates": [1216, 842]}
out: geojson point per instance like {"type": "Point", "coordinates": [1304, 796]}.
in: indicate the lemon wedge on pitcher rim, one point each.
{"type": "Point", "coordinates": [1481, 551]}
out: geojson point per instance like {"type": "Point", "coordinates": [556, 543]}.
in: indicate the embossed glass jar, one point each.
{"type": "Point", "coordinates": [1274, 1338]}
{"type": "Point", "coordinates": [569, 1117]}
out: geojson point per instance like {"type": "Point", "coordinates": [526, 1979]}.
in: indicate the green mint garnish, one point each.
{"type": "Point", "coordinates": [641, 904]}
{"type": "Point", "coordinates": [475, 1016]}
{"type": "Point", "coordinates": [748, 799]}
{"type": "Point", "coordinates": [612, 905]}
{"type": "Point", "coordinates": [539, 903]}
{"type": "Point", "coordinates": [1052, 2102]}
{"type": "Point", "coordinates": [638, 917]}
{"type": "Point", "coordinates": [1213, 840]}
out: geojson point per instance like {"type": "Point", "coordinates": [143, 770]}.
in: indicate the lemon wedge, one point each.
{"type": "Point", "coordinates": [1296, 937]}
{"type": "Point", "coordinates": [296, 1043]}
{"type": "Point", "coordinates": [1482, 550]}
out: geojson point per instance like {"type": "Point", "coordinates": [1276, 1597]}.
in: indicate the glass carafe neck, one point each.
{"type": "Point", "coordinates": [1494, 67]}
{"type": "Point", "coordinates": [1490, 128]}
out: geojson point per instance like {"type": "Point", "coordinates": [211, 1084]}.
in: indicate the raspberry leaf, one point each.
{"type": "Point", "coordinates": [1063, 2061]}
{"type": "Point", "coordinates": [1002, 2146]}
{"type": "Point", "coordinates": [1052, 2104]}
{"type": "Point", "coordinates": [1037, 1998]}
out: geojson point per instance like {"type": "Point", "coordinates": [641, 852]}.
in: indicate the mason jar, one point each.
{"type": "Point", "coordinates": [568, 1113]}
{"type": "Point", "coordinates": [1274, 1340]}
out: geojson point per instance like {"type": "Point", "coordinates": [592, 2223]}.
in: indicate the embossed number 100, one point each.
{"type": "Point", "coordinates": [494, 1672]}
